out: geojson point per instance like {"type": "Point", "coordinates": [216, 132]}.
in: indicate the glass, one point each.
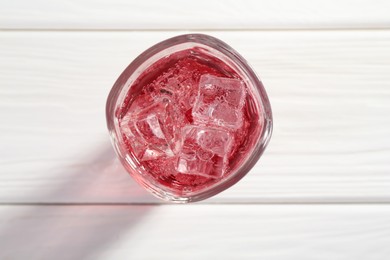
{"type": "Point", "coordinates": [188, 118]}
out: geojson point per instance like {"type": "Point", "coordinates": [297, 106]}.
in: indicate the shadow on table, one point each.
{"type": "Point", "coordinates": [72, 231]}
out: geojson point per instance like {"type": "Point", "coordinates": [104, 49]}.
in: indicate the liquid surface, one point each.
{"type": "Point", "coordinates": [186, 121]}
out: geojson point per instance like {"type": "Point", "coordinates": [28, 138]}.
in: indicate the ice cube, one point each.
{"type": "Point", "coordinates": [153, 131]}
{"type": "Point", "coordinates": [219, 101]}
{"type": "Point", "coordinates": [204, 151]}
{"type": "Point", "coordinates": [177, 88]}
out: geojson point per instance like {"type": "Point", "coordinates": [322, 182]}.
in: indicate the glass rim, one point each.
{"type": "Point", "coordinates": [122, 82]}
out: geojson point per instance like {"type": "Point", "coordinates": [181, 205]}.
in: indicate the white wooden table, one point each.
{"type": "Point", "coordinates": [321, 190]}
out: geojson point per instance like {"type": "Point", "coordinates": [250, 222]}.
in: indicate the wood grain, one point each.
{"type": "Point", "coordinates": [326, 67]}
{"type": "Point", "coordinates": [330, 93]}
{"type": "Point", "coordinates": [195, 232]}
{"type": "Point", "coordinates": [202, 14]}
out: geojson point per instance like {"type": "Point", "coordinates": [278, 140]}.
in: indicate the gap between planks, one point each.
{"type": "Point", "coordinates": [324, 203]}
{"type": "Point", "coordinates": [199, 30]}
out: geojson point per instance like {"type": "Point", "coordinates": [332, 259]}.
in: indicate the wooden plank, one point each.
{"type": "Point", "coordinates": [195, 232]}
{"type": "Point", "coordinates": [329, 91]}
{"type": "Point", "coordinates": [202, 14]}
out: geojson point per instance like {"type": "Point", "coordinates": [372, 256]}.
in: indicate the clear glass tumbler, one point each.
{"type": "Point", "coordinates": [177, 140]}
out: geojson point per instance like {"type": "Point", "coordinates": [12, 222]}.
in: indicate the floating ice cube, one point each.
{"type": "Point", "coordinates": [177, 88]}
{"type": "Point", "coordinates": [219, 101]}
{"type": "Point", "coordinates": [153, 131]}
{"type": "Point", "coordinates": [204, 151]}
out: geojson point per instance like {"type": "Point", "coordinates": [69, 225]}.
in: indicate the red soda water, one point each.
{"type": "Point", "coordinates": [186, 121]}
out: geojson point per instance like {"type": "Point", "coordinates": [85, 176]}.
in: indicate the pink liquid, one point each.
{"type": "Point", "coordinates": [168, 95]}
